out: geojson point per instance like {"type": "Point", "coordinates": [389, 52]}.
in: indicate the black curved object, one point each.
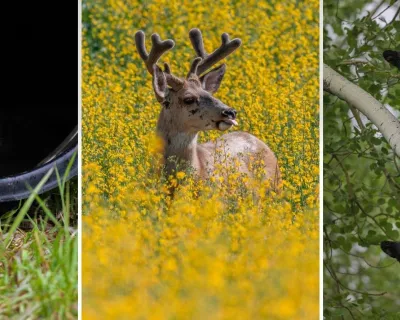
{"type": "Point", "coordinates": [39, 106]}
{"type": "Point", "coordinates": [391, 248]}
{"type": "Point", "coordinates": [393, 57]}
{"type": "Point", "coordinates": [16, 187]}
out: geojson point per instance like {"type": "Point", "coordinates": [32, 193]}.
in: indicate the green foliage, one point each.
{"type": "Point", "coordinates": [361, 172]}
{"type": "Point", "coordinates": [39, 256]}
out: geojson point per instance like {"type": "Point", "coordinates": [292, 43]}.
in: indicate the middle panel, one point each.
{"type": "Point", "coordinates": [200, 160]}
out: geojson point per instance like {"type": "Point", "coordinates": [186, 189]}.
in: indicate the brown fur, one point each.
{"type": "Point", "coordinates": [179, 125]}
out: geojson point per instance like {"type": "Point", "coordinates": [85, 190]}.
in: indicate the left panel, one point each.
{"type": "Point", "coordinates": [38, 161]}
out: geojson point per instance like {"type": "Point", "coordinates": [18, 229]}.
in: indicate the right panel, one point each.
{"type": "Point", "coordinates": [361, 159]}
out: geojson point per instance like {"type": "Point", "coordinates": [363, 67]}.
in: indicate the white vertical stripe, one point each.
{"type": "Point", "coordinates": [79, 160]}
{"type": "Point", "coordinates": [321, 140]}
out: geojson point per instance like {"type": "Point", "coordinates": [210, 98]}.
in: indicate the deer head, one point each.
{"type": "Point", "coordinates": [188, 104]}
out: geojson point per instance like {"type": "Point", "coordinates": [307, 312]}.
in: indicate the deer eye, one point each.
{"type": "Point", "coordinates": [189, 100]}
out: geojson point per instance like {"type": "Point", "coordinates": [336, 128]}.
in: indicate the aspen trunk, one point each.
{"type": "Point", "coordinates": [375, 111]}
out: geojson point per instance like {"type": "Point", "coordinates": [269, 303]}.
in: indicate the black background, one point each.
{"type": "Point", "coordinates": [39, 85]}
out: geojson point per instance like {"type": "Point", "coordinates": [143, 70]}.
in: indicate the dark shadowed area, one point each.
{"type": "Point", "coordinates": [28, 133]}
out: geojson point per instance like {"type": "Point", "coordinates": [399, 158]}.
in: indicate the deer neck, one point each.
{"type": "Point", "coordinates": [180, 148]}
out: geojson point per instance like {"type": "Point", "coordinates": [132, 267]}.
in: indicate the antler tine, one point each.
{"type": "Point", "coordinates": [193, 68]}
{"type": "Point", "coordinates": [173, 81]}
{"type": "Point", "coordinates": [158, 48]}
{"type": "Point", "coordinates": [226, 48]}
{"type": "Point", "coordinates": [140, 46]}
{"type": "Point", "coordinates": [167, 68]}
{"type": "Point", "coordinates": [197, 42]}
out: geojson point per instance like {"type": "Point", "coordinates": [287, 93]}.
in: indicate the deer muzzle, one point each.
{"type": "Point", "coordinates": [225, 124]}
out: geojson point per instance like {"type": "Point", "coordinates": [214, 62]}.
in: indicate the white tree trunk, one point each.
{"type": "Point", "coordinates": [375, 111]}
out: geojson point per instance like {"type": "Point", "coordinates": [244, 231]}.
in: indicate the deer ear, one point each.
{"type": "Point", "coordinates": [159, 84]}
{"type": "Point", "coordinates": [212, 79]}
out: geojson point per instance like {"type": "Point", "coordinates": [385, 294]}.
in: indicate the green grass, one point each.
{"type": "Point", "coordinates": [39, 257]}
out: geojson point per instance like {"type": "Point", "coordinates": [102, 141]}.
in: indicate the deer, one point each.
{"type": "Point", "coordinates": [189, 107]}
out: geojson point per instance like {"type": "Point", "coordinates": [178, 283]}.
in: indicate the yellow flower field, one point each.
{"type": "Point", "coordinates": [220, 249]}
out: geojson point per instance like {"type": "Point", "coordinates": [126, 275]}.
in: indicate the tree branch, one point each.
{"type": "Point", "coordinates": [375, 111]}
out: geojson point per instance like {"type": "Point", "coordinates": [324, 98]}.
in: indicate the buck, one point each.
{"type": "Point", "coordinates": [188, 107]}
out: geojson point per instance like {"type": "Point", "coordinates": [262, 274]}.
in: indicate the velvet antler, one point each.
{"type": "Point", "coordinates": [158, 48]}
{"type": "Point", "coordinates": [226, 48]}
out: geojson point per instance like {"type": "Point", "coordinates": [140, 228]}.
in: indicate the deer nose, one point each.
{"type": "Point", "coordinates": [231, 113]}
